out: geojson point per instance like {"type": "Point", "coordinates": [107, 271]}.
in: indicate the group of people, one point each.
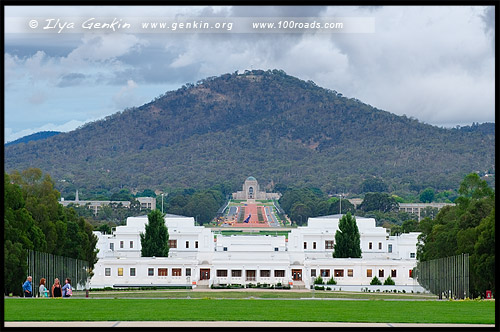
{"type": "Point", "coordinates": [56, 291]}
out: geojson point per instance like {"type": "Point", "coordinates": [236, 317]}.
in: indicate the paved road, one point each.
{"type": "Point", "coordinates": [142, 324]}
{"type": "Point", "coordinates": [273, 222]}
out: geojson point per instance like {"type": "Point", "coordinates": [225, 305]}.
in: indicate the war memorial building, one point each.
{"type": "Point", "coordinates": [200, 257]}
{"type": "Point", "coordinates": [251, 191]}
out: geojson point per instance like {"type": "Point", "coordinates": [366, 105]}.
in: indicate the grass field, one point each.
{"type": "Point", "coordinates": [255, 293]}
{"type": "Point", "coordinates": [393, 311]}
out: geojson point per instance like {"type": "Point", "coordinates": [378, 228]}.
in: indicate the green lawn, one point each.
{"type": "Point", "coordinates": [472, 312]}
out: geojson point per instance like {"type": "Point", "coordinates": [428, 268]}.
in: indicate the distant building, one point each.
{"type": "Point", "coordinates": [200, 257]}
{"type": "Point", "coordinates": [146, 203]}
{"type": "Point", "coordinates": [416, 208]}
{"type": "Point", "coordinates": [251, 190]}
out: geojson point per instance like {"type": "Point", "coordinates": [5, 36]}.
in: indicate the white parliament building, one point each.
{"type": "Point", "coordinates": [200, 257]}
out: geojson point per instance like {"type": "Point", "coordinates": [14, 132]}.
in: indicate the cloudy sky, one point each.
{"type": "Point", "coordinates": [432, 63]}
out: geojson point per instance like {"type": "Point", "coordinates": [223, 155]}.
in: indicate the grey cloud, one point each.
{"type": "Point", "coordinates": [71, 79]}
{"type": "Point", "coordinates": [277, 11]}
{"type": "Point", "coordinates": [489, 19]}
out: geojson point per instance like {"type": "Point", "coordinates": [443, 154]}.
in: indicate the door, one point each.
{"type": "Point", "coordinates": [204, 274]}
{"type": "Point", "coordinates": [297, 274]}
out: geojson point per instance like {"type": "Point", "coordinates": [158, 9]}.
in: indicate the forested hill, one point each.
{"type": "Point", "coordinates": [263, 123]}
{"type": "Point", "coordinates": [33, 137]}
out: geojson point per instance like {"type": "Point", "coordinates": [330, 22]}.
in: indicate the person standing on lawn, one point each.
{"type": "Point", "coordinates": [66, 289]}
{"type": "Point", "coordinates": [27, 288]}
{"type": "Point", "coordinates": [56, 289]}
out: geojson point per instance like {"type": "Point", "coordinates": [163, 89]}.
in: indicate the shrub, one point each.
{"type": "Point", "coordinates": [331, 281]}
{"type": "Point", "coordinates": [375, 281]}
{"type": "Point", "coordinates": [319, 287]}
{"type": "Point", "coordinates": [318, 281]}
{"type": "Point", "coordinates": [389, 281]}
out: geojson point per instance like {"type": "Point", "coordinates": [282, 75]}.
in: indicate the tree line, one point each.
{"type": "Point", "coordinates": [34, 220]}
{"type": "Point", "coordinates": [468, 227]}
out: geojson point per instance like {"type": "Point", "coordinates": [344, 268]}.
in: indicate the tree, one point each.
{"type": "Point", "coordinates": [347, 238]}
{"type": "Point", "coordinates": [378, 201]}
{"type": "Point", "coordinates": [409, 226]}
{"type": "Point", "coordinates": [372, 185]}
{"type": "Point", "coordinates": [154, 241]}
{"type": "Point", "coordinates": [375, 281]}
{"type": "Point", "coordinates": [427, 195]}
{"type": "Point", "coordinates": [389, 281]}
{"type": "Point", "coordinates": [467, 227]}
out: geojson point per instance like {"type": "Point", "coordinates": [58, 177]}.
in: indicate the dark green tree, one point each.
{"type": "Point", "coordinates": [409, 226]}
{"type": "Point", "coordinates": [154, 241]}
{"type": "Point", "coordinates": [389, 281]}
{"type": "Point", "coordinates": [378, 202]}
{"type": "Point", "coordinates": [347, 238]}
{"type": "Point", "coordinates": [373, 185]}
{"type": "Point", "coordinates": [375, 281]}
{"type": "Point", "coordinates": [427, 195]}
{"type": "Point", "coordinates": [467, 227]}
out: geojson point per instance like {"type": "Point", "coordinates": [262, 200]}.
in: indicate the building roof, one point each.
{"type": "Point", "coordinates": [251, 178]}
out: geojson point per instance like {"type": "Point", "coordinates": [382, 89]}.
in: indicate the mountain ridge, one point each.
{"type": "Point", "coordinates": [266, 123]}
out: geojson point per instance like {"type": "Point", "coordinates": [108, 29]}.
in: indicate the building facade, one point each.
{"type": "Point", "coordinates": [95, 206]}
{"type": "Point", "coordinates": [417, 208]}
{"type": "Point", "coordinates": [201, 257]}
{"type": "Point", "coordinates": [251, 191]}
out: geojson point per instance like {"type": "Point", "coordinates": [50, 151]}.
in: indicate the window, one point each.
{"type": "Point", "coordinates": [305, 245]}
{"type": "Point", "coordinates": [176, 272]}
{"type": "Point", "coordinates": [393, 273]}
{"type": "Point", "coordinates": [224, 249]}
{"type": "Point", "coordinates": [276, 249]}
{"type": "Point", "coordinates": [250, 275]}
{"type": "Point", "coordinates": [121, 244]}
{"type": "Point", "coordinates": [380, 246]}
{"type": "Point", "coordinates": [329, 244]}
{"type": "Point", "coordinates": [196, 244]}
{"type": "Point", "coordinates": [162, 272]}
{"type": "Point", "coordinates": [369, 273]}
{"type": "Point", "coordinates": [265, 273]}
{"type": "Point", "coordinates": [236, 273]}
{"type": "Point", "coordinates": [389, 248]}
{"type": "Point", "coordinates": [279, 273]}
{"type": "Point", "coordinates": [107, 271]}
{"type": "Point", "coordinates": [370, 245]}
{"type": "Point", "coordinates": [350, 273]}
{"type": "Point", "coordinates": [132, 271]}
{"type": "Point", "coordinates": [172, 243]}
{"type": "Point", "coordinates": [188, 272]}
{"type": "Point", "coordinates": [221, 273]}
{"type": "Point", "coordinates": [131, 244]}
{"type": "Point", "coordinates": [112, 246]}
{"type": "Point", "coordinates": [314, 245]}
{"type": "Point", "coordinates": [325, 273]}
{"type": "Point", "coordinates": [151, 272]}
{"type": "Point", "coordinates": [338, 273]}
{"type": "Point", "coordinates": [380, 273]}
{"type": "Point", "coordinates": [120, 271]}
{"type": "Point", "coordinates": [313, 273]}
{"type": "Point", "coordinates": [412, 255]}
{"type": "Point", "coordinates": [187, 244]}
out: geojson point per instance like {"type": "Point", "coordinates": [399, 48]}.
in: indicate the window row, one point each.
{"type": "Point", "coordinates": [187, 244]}
{"type": "Point", "coordinates": [370, 246]}
{"type": "Point", "coordinates": [329, 244]}
{"type": "Point", "coordinates": [381, 273]}
{"type": "Point", "coordinates": [171, 244]}
{"type": "Point", "coordinates": [161, 272]}
{"type": "Point", "coordinates": [122, 245]}
{"type": "Point", "coordinates": [325, 273]}
{"type": "Point", "coordinates": [250, 273]}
